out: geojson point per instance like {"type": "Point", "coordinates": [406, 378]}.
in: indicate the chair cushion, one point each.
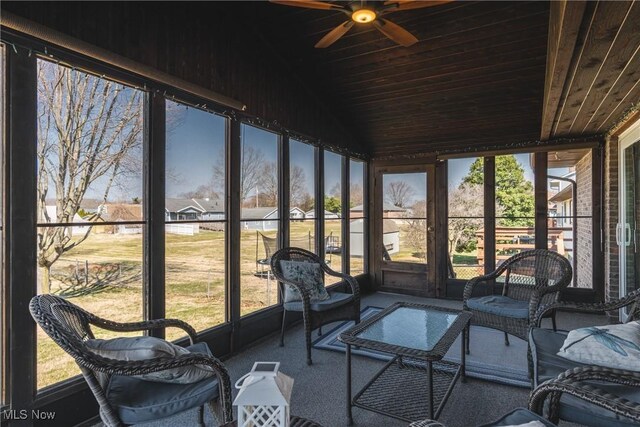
{"type": "Point", "coordinates": [309, 275]}
{"type": "Point", "coordinates": [144, 348]}
{"type": "Point", "coordinates": [612, 346]}
{"type": "Point", "coordinates": [545, 345]}
{"type": "Point", "coordinates": [136, 400]}
{"type": "Point", "coordinates": [336, 299]}
{"type": "Point", "coordinates": [500, 305]}
{"type": "Point", "coordinates": [520, 416]}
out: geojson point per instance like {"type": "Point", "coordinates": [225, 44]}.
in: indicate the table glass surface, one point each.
{"type": "Point", "coordinates": [409, 327]}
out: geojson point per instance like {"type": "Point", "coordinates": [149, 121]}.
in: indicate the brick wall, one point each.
{"type": "Point", "coordinates": [611, 260]}
{"type": "Point", "coordinates": [584, 245]}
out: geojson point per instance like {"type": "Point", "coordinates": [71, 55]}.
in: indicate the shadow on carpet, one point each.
{"type": "Point", "coordinates": [490, 358]}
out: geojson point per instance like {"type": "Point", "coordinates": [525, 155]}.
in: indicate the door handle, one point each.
{"type": "Point", "coordinates": [430, 229]}
{"type": "Point", "coordinates": [618, 239]}
{"type": "Point", "coordinates": [627, 234]}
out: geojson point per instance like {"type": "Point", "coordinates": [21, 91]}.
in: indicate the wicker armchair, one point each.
{"type": "Point", "coordinates": [611, 393]}
{"type": "Point", "coordinates": [341, 306]}
{"type": "Point", "coordinates": [531, 278]}
{"type": "Point", "coordinates": [70, 326]}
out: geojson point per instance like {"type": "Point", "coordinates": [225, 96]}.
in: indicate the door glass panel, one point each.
{"type": "Point", "coordinates": [404, 213]}
{"type": "Point", "coordinates": [630, 221]}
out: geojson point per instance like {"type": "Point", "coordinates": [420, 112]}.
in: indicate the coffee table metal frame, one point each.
{"type": "Point", "coordinates": [407, 356]}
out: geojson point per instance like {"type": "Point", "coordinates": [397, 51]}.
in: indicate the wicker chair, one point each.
{"type": "Point", "coordinates": [611, 393]}
{"type": "Point", "coordinates": [340, 306]}
{"type": "Point", "coordinates": [70, 326]}
{"type": "Point", "coordinates": [532, 278]}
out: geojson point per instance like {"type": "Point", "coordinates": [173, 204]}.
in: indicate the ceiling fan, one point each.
{"type": "Point", "coordinates": [366, 12]}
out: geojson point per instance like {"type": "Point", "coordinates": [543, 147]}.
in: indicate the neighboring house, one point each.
{"type": "Point", "coordinates": [388, 211]}
{"type": "Point", "coordinates": [266, 219]}
{"type": "Point", "coordinates": [263, 219]}
{"type": "Point", "coordinates": [327, 215]}
{"type": "Point", "coordinates": [117, 212]}
{"type": "Point", "coordinates": [391, 237]}
{"type": "Point", "coordinates": [52, 217]}
{"type": "Point", "coordinates": [194, 209]}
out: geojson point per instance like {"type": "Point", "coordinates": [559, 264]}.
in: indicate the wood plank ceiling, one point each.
{"type": "Point", "coordinates": [475, 78]}
{"type": "Point", "coordinates": [594, 74]}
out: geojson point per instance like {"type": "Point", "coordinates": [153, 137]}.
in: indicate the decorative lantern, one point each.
{"type": "Point", "coordinates": [263, 399]}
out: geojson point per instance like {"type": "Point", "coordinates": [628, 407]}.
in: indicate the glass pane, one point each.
{"type": "Point", "coordinates": [570, 210]}
{"type": "Point", "coordinates": [466, 218]}
{"type": "Point", "coordinates": [404, 215]}
{"type": "Point", "coordinates": [332, 184]}
{"type": "Point", "coordinates": [195, 163]}
{"type": "Point", "coordinates": [515, 207]}
{"type": "Point", "coordinates": [2, 291]}
{"type": "Point", "coordinates": [195, 275]}
{"type": "Point", "coordinates": [103, 275]}
{"type": "Point", "coordinates": [90, 133]}
{"type": "Point", "coordinates": [333, 244]}
{"type": "Point", "coordinates": [356, 227]}
{"type": "Point", "coordinates": [302, 179]}
{"type": "Point", "coordinates": [630, 234]}
{"type": "Point", "coordinates": [302, 234]}
{"type": "Point", "coordinates": [259, 174]}
{"type": "Point", "coordinates": [258, 289]}
{"type": "Point", "coordinates": [410, 327]}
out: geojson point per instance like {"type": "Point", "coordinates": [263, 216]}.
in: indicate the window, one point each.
{"type": "Point", "coordinates": [2, 288]}
{"type": "Point", "coordinates": [466, 218]}
{"type": "Point", "coordinates": [570, 210]}
{"type": "Point", "coordinates": [404, 213]}
{"type": "Point", "coordinates": [260, 219]}
{"type": "Point", "coordinates": [515, 205]}
{"type": "Point", "coordinates": [195, 215]}
{"type": "Point", "coordinates": [333, 209]}
{"type": "Point", "coordinates": [357, 217]}
{"type": "Point", "coordinates": [90, 201]}
{"type": "Point", "coordinates": [302, 216]}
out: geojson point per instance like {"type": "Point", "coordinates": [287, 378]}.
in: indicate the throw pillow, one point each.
{"type": "Point", "coordinates": [309, 275]}
{"type": "Point", "coordinates": [613, 346]}
{"type": "Point", "coordinates": [144, 348]}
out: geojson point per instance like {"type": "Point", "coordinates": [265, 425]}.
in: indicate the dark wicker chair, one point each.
{"type": "Point", "coordinates": [611, 393]}
{"type": "Point", "coordinates": [70, 326]}
{"type": "Point", "coordinates": [340, 306]}
{"type": "Point", "coordinates": [531, 278]}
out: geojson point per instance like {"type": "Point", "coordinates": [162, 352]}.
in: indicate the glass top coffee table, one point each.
{"type": "Point", "coordinates": [416, 383]}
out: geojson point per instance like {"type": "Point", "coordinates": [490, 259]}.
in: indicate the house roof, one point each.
{"type": "Point", "coordinates": [257, 213]}
{"type": "Point", "coordinates": [565, 194]}
{"type": "Point", "coordinates": [202, 205]}
{"type": "Point", "coordinates": [388, 226]}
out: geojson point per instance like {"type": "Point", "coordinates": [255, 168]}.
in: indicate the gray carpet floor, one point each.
{"type": "Point", "coordinates": [319, 390]}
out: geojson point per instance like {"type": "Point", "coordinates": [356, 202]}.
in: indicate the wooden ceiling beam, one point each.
{"type": "Point", "coordinates": [565, 19]}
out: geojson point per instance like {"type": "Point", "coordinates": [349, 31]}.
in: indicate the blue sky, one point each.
{"type": "Point", "coordinates": [459, 168]}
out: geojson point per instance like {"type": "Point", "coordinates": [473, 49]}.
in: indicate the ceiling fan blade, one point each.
{"type": "Point", "coordinates": [395, 32]}
{"type": "Point", "coordinates": [333, 35]}
{"type": "Point", "coordinates": [398, 5]}
{"type": "Point", "coordinates": [309, 4]}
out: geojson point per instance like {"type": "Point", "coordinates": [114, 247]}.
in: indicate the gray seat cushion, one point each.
{"type": "Point", "coordinates": [336, 299]}
{"type": "Point", "coordinates": [137, 400]}
{"type": "Point", "coordinates": [500, 305]}
{"type": "Point", "coordinates": [545, 344]}
{"type": "Point", "coordinates": [519, 416]}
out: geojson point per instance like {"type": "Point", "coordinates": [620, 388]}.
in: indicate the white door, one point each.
{"type": "Point", "coordinates": [628, 229]}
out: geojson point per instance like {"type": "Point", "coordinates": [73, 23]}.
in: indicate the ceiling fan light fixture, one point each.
{"type": "Point", "coordinates": [363, 16]}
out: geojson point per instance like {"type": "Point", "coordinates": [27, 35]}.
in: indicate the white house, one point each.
{"type": "Point", "coordinates": [52, 217]}
{"type": "Point", "coordinates": [327, 215]}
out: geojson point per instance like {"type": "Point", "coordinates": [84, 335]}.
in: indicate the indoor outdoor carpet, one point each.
{"type": "Point", "coordinates": [490, 358]}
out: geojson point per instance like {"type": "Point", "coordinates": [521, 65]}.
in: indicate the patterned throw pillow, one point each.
{"type": "Point", "coordinates": [308, 274]}
{"type": "Point", "coordinates": [613, 346]}
{"type": "Point", "coordinates": [143, 348]}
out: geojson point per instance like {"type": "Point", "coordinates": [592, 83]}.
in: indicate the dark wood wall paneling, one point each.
{"type": "Point", "coordinates": [475, 77]}
{"type": "Point", "coordinates": [603, 67]}
{"type": "Point", "coordinates": [212, 44]}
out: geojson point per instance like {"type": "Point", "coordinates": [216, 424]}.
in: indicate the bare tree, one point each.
{"type": "Point", "coordinates": [298, 187]}
{"type": "Point", "coordinates": [466, 213]}
{"type": "Point", "coordinates": [399, 193]}
{"type": "Point", "coordinates": [251, 169]}
{"type": "Point", "coordinates": [88, 136]}
{"type": "Point", "coordinates": [268, 185]}
{"type": "Point", "coordinates": [356, 194]}
{"type": "Point", "coordinates": [416, 237]}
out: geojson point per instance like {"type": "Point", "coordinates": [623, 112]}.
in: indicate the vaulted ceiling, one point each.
{"type": "Point", "coordinates": [476, 76]}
